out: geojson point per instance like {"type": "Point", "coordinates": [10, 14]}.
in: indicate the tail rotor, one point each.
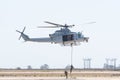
{"type": "Point", "coordinates": [21, 32]}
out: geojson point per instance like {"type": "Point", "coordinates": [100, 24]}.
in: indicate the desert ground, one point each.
{"type": "Point", "coordinates": [57, 78]}
{"type": "Point", "coordinates": [59, 75]}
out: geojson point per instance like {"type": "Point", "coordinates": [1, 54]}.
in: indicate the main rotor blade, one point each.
{"type": "Point", "coordinates": [54, 23]}
{"type": "Point", "coordinates": [47, 26]}
{"type": "Point", "coordinates": [88, 23]}
{"type": "Point", "coordinates": [71, 25]}
{"type": "Point", "coordinates": [91, 23]}
{"type": "Point", "coordinates": [59, 25]}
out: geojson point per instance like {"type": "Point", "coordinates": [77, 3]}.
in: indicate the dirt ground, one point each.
{"type": "Point", "coordinates": [58, 78]}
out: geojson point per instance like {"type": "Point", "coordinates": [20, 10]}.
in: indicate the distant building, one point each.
{"type": "Point", "coordinates": [29, 67]}
{"type": "Point", "coordinates": [44, 67]}
{"type": "Point", "coordinates": [18, 68]}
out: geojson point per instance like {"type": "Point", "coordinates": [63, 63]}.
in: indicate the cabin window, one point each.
{"type": "Point", "coordinates": [67, 37]}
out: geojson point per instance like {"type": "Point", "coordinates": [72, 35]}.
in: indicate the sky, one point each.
{"type": "Point", "coordinates": [104, 34]}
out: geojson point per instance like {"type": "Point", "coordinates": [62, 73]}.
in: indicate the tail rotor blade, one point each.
{"type": "Point", "coordinates": [23, 29]}
{"type": "Point", "coordinates": [18, 31]}
{"type": "Point", "coordinates": [20, 37]}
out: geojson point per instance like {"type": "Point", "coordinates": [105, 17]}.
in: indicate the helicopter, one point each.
{"type": "Point", "coordinates": [64, 36]}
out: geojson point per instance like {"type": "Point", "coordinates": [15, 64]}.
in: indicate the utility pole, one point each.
{"type": "Point", "coordinates": [114, 63]}
{"type": "Point", "coordinates": [107, 63]}
{"type": "Point", "coordinates": [87, 63]}
{"type": "Point", "coordinates": [111, 63]}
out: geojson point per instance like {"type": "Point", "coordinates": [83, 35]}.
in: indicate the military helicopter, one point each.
{"type": "Point", "coordinates": [64, 36]}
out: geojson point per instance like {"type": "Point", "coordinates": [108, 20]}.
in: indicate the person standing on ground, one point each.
{"type": "Point", "coordinates": [66, 74]}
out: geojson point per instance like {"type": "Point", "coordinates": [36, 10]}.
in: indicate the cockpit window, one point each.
{"type": "Point", "coordinates": [79, 34]}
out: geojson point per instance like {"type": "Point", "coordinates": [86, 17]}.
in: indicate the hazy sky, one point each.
{"type": "Point", "coordinates": [104, 36]}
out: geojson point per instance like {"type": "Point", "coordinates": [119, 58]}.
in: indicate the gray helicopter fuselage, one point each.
{"type": "Point", "coordinates": [66, 37]}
